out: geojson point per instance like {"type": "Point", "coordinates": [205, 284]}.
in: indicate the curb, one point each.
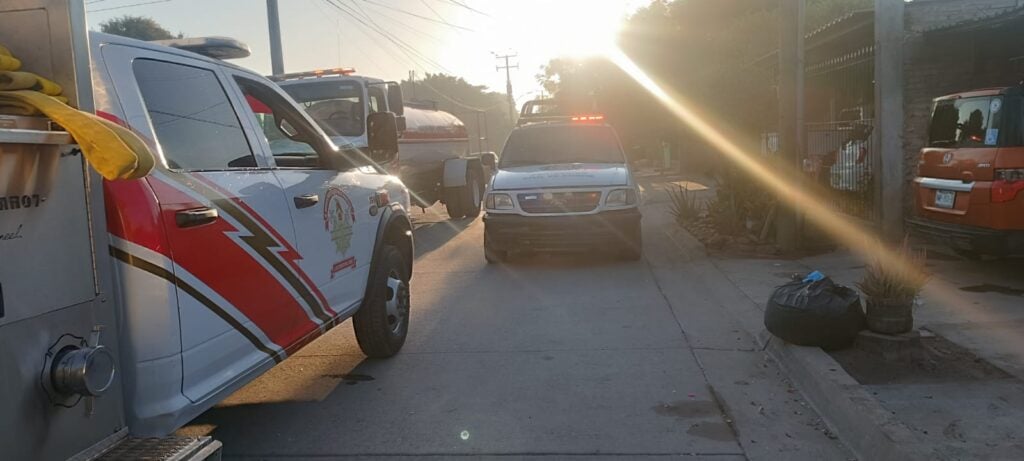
{"type": "Point", "coordinates": [868, 429]}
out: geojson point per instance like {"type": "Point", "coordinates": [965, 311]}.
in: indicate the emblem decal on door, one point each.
{"type": "Point", "coordinates": [948, 158]}
{"type": "Point", "coordinates": [339, 221]}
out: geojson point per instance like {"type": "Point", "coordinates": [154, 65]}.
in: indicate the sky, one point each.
{"type": "Point", "coordinates": [458, 37]}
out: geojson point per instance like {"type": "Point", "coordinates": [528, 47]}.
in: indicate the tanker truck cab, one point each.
{"type": "Point", "coordinates": [254, 235]}
{"type": "Point", "coordinates": [562, 184]}
{"type": "Point", "coordinates": [969, 189]}
{"type": "Point", "coordinates": [434, 160]}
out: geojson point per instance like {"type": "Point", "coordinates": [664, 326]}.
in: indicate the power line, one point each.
{"type": "Point", "coordinates": [432, 10]}
{"type": "Point", "coordinates": [463, 5]}
{"type": "Point", "coordinates": [403, 46]}
{"type": "Point", "coordinates": [420, 16]}
{"type": "Point", "coordinates": [128, 6]}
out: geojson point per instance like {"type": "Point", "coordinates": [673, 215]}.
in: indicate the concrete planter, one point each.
{"type": "Point", "coordinates": [890, 316]}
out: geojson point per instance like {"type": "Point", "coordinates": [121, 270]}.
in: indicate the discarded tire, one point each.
{"type": "Point", "coordinates": [819, 313]}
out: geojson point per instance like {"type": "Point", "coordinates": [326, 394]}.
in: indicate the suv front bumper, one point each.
{"type": "Point", "coordinates": [609, 229]}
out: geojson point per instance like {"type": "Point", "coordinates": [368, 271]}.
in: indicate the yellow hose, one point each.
{"type": "Point", "coordinates": [115, 152]}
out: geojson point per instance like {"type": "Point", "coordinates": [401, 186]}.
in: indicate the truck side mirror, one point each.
{"type": "Point", "coordinates": [489, 159]}
{"type": "Point", "coordinates": [395, 99]}
{"type": "Point", "coordinates": [400, 121]}
{"type": "Point", "coordinates": [382, 136]}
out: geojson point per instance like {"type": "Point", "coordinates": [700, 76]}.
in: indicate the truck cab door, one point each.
{"type": "Point", "coordinates": [242, 302]}
{"type": "Point", "coordinates": [332, 200]}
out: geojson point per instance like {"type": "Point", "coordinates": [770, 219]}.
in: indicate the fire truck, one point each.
{"type": "Point", "coordinates": [130, 306]}
{"type": "Point", "coordinates": [434, 161]}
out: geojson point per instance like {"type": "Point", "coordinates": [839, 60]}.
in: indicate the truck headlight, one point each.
{"type": "Point", "coordinates": [621, 197]}
{"type": "Point", "coordinates": [499, 202]}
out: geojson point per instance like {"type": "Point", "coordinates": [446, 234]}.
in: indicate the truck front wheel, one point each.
{"type": "Point", "coordinates": [382, 323]}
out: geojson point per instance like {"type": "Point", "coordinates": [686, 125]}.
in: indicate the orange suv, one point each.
{"type": "Point", "coordinates": [968, 189]}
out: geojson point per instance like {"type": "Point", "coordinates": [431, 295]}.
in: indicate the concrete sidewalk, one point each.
{"type": "Point", "coordinates": [978, 306]}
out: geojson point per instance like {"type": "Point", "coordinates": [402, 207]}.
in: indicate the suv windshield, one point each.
{"type": "Point", "coordinates": [967, 122]}
{"type": "Point", "coordinates": [337, 106]}
{"type": "Point", "coordinates": [562, 144]}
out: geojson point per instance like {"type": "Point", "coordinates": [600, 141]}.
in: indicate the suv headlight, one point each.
{"type": "Point", "coordinates": [499, 202]}
{"type": "Point", "coordinates": [621, 197]}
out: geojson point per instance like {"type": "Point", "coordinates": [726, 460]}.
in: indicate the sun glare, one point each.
{"type": "Point", "coordinates": [580, 29]}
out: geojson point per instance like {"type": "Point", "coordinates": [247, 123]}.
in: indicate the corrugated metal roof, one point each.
{"type": "Point", "coordinates": [992, 20]}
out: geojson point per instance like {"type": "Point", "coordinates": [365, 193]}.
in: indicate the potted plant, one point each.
{"type": "Point", "coordinates": [890, 289]}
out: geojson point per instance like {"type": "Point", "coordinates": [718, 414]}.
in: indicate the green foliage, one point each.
{"type": "Point", "coordinates": [139, 27]}
{"type": "Point", "coordinates": [738, 201]}
{"type": "Point", "coordinates": [897, 282]}
{"type": "Point", "coordinates": [464, 100]}
{"type": "Point", "coordinates": [683, 204]}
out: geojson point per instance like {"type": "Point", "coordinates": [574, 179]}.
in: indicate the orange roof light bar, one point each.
{"type": "Point", "coordinates": [587, 118]}
{"type": "Point", "coordinates": [315, 73]}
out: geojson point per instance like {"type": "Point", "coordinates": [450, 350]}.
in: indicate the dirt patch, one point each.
{"type": "Point", "coordinates": [931, 359]}
{"type": "Point", "coordinates": [687, 409]}
{"type": "Point", "coordinates": [714, 431]}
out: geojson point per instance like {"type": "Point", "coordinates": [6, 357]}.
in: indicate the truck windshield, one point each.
{"type": "Point", "coordinates": [967, 122]}
{"type": "Point", "coordinates": [336, 106]}
{"type": "Point", "coordinates": [562, 144]}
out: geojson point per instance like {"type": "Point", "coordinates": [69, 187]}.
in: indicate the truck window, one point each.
{"type": "Point", "coordinates": [192, 118]}
{"type": "Point", "coordinates": [376, 93]}
{"type": "Point", "coordinates": [336, 106]}
{"type": "Point", "coordinates": [562, 144]}
{"type": "Point", "coordinates": [267, 111]}
{"type": "Point", "coordinates": [967, 122]}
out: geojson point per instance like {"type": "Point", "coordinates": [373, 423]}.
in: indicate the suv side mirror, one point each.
{"type": "Point", "coordinates": [382, 136]}
{"type": "Point", "coordinates": [489, 159]}
{"type": "Point", "coordinates": [395, 99]}
{"type": "Point", "coordinates": [400, 121]}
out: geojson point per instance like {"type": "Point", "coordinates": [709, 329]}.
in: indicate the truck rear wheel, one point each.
{"type": "Point", "coordinates": [464, 201]}
{"type": "Point", "coordinates": [491, 254]}
{"type": "Point", "coordinates": [382, 323]}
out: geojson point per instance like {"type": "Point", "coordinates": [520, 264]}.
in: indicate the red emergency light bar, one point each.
{"type": "Point", "coordinates": [314, 73]}
{"type": "Point", "coordinates": [587, 118]}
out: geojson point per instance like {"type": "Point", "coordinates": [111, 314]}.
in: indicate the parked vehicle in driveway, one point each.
{"type": "Point", "coordinates": [562, 184]}
{"type": "Point", "coordinates": [253, 235]}
{"type": "Point", "coordinates": [971, 174]}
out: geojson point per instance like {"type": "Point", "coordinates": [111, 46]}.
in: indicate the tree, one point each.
{"type": "Point", "coordinates": [139, 27]}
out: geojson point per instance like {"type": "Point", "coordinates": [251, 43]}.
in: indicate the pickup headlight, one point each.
{"type": "Point", "coordinates": [499, 202]}
{"type": "Point", "coordinates": [621, 197]}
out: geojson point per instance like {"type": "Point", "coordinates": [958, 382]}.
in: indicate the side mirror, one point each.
{"type": "Point", "coordinates": [400, 121]}
{"type": "Point", "coordinates": [382, 136]}
{"type": "Point", "coordinates": [489, 159]}
{"type": "Point", "coordinates": [395, 99]}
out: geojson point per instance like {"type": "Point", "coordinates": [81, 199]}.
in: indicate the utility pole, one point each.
{"type": "Point", "coordinates": [508, 83]}
{"type": "Point", "coordinates": [412, 83]}
{"type": "Point", "coordinates": [274, 23]}
{"type": "Point", "coordinates": [888, 138]}
{"type": "Point", "coordinates": [791, 113]}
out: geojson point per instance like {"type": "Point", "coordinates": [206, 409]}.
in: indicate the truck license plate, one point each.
{"type": "Point", "coordinates": [945, 198]}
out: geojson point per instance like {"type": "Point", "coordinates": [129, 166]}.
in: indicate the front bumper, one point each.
{"type": "Point", "coordinates": [609, 229]}
{"type": "Point", "coordinates": [970, 238]}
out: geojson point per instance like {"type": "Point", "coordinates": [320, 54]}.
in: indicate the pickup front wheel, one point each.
{"type": "Point", "coordinates": [382, 323]}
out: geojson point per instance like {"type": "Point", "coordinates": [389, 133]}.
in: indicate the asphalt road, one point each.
{"type": "Point", "coordinates": [546, 357]}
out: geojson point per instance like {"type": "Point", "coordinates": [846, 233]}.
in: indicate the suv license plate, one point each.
{"type": "Point", "coordinates": [945, 198]}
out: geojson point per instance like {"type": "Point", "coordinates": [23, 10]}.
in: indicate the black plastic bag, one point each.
{"type": "Point", "coordinates": [815, 313]}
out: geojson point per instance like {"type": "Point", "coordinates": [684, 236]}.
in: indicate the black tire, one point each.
{"type": "Point", "coordinates": [474, 193]}
{"type": "Point", "coordinates": [381, 334]}
{"type": "Point", "coordinates": [633, 246]}
{"type": "Point", "coordinates": [491, 254]}
{"type": "Point", "coordinates": [453, 202]}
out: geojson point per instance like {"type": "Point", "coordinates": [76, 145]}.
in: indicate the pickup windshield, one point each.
{"type": "Point", "coordinates": [337, 106]}
{"type": "Point", "coordinates": [562, 144]}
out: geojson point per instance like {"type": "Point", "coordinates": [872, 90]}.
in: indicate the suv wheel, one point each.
{"type": "Point", "coordinates": [633, 245]}
{"type": "Point", "coordinates": [382, 323]}
{"type": "Point", "coordinates": [491, 254]}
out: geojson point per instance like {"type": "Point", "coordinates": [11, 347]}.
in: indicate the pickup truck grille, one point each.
{"type": "Point", "coordinates": [559, 202]}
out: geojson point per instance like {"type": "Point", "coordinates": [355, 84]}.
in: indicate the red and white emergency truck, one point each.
{"type": "Point", "coordinates": [129, 307]}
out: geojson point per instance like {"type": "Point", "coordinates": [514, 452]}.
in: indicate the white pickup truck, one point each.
{"type": "Point", "coordinates": [562, 184]}
{"type": "Point", "coordinates": [129, 307]}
